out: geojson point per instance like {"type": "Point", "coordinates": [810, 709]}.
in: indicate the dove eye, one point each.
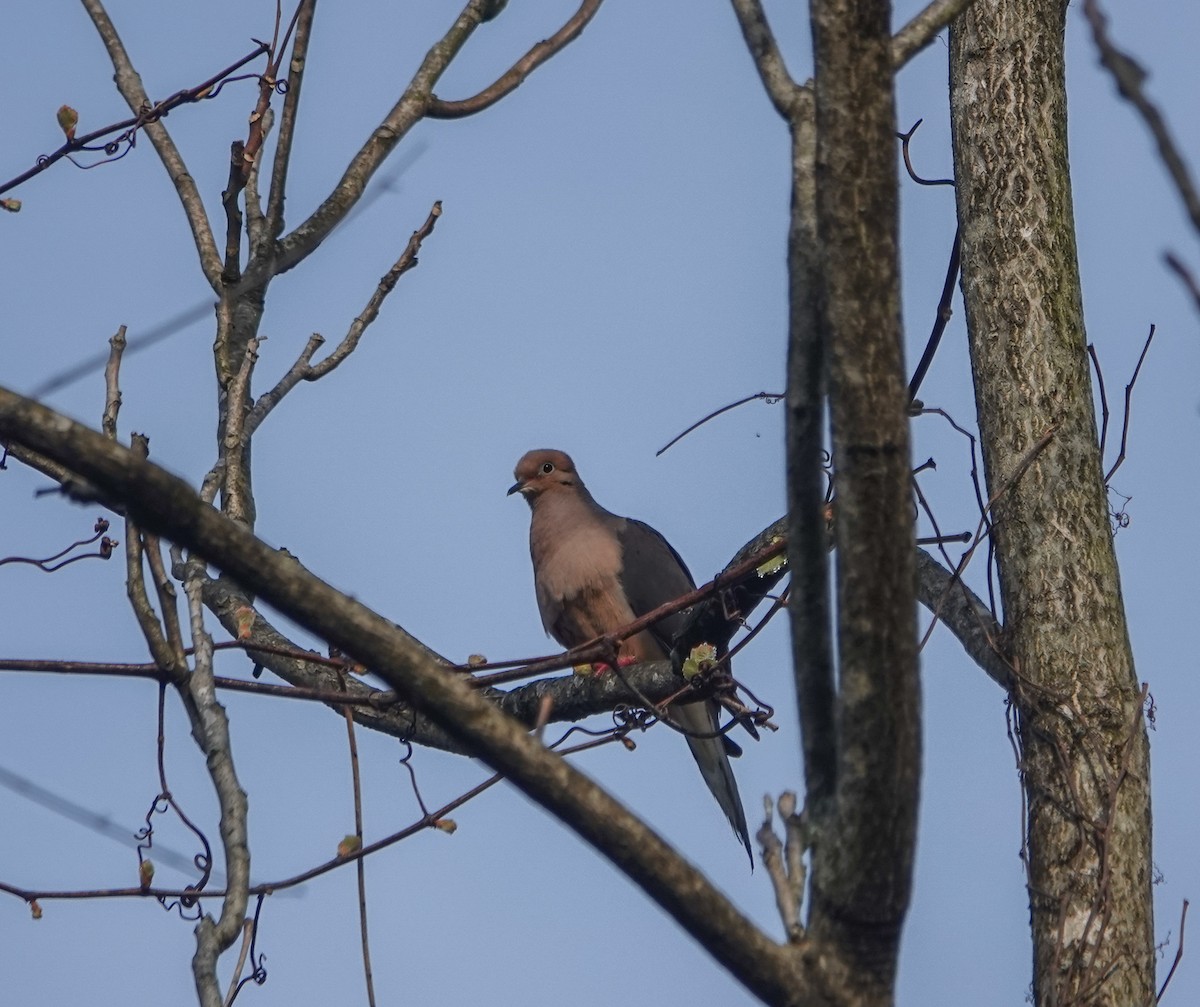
{"type": "Point", "coordinates": [547, 468]}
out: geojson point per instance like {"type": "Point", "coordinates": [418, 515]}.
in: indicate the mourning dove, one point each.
{"type": "Point", "coordinates": [595, 572]}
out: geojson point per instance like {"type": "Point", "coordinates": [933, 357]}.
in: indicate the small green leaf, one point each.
{"type": "Point", "coordinates": [700, 660]}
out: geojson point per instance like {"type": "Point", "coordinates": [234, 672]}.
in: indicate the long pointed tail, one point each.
{"type": "Point", "coordinates": [712, 756]}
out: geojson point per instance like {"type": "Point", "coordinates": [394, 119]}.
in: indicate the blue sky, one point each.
{"type": "Point", "coordinates": [608, 268]}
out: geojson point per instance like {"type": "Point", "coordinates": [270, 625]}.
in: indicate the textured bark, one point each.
{"type": "Point", "coordinates": [808, 551]}
{"type": "Point", "coordinates": [864, 843]}
{"type": "Point", "coordinates": [1085, 761]}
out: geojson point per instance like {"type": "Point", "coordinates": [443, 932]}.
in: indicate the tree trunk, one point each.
{"type": "Point", "coordinates": [864, 841]}
{"type": "Point", "coordinates": [1085, 757]}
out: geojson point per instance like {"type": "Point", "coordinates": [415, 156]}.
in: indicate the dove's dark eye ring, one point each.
{"type": "Point", "coordinates": [547, 468]}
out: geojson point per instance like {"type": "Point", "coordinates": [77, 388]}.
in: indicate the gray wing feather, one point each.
{"type": "Point", "coordinates": [653, 573]}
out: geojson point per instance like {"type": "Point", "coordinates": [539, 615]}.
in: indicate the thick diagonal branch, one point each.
{"type": "Point", "coordinates": [166, 505]}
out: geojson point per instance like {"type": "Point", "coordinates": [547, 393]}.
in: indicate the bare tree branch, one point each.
{"type": "Point", "coordinates": [210, 727]}
{"type": "Point", "coordinates": [406, 113]}
{"type": "Point", "coordinates": [166, 505]}
{"type": "Point", "coordinates": [69, 484]}
{"type": "Point", "coordinates": [573, 697]}
{"type": "Point", "coordinates": [235, 980]}
{"type": "Point", "coordinates": [161, 650]}
{"type": "Point", "coordinates": [1185, 275]}
{"type": "Point", "coordinates": [1129, 77]}
{"type": "Point", "coordinates": [965, 615]}
{"type": "Point", "coordinates": [515, 76]}
{"type": "Point", "coordinates": [406, 261]}
{"type": "Point", "coordinates": [129, 83]}
{"type": "Point", "coordinates": [287, 124]}
{"type": "Point", "coordinates": [256, 219]}
{"type": "Point", "coordinates": [924, 28]}
{"type": "Point", "coordinates": [812, 647]}
{"type": "Point", "coordinates": [304, 369]}
{"type": "Point", "coordinates": [768, 60]}
{"type": "Point", "coordinates": [783, 90]}
{"type": "Point", "coordinates": [236, 497]}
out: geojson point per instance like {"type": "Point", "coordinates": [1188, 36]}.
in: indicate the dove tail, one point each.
{"type": "Point", "coordinates": [712, 756]}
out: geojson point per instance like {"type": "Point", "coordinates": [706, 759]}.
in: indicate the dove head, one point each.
{"type": "Point", "coordinates": [545, 471]}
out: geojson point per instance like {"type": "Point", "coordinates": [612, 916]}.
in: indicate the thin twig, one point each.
{"type": "Point", "coordinates": [905, 142]}
{"type": "Point", "coordinates": [944, 313]}
{"type": "Point", "coordinates": [944, 310]}
{"type": "Point", "coordinates": [428, 820]}
{"type": "Point", "coordinates": [356, 783]}
{"type": "Point", "coordinates": [304, 369]}
{"type": "Point", "coordinates": [773, 862]}
{"type": "Point", "coordinates": [165, 800]}
{"type": "Point", "coordinates": [1020, 469]}
{"type": "Point", "coordinates": [164, 588]}
{"type": "Point", "coordinates": [235, 981]}
{"type": "Point", "coordinates": [375, 698]}
{"type": "Point", "coordinates": [515, 76]}
{"type": "Point", "coordinates": [777, 605]}
{"type": "Point", "coordinates": [127, 128]}
{"type": "Point", "coordinates": [258, 968]}
{"type": "Point", "coordinates": [268, 83]}
{"type": "Point", "coordinates": [1129, 77]}
{"type": "Point", "coordinates": [129, 83]}
{"type": "Point", "coordinates": [1128, 403]}
{"type": "Point", "coordinates": [135, 588]}
{"type": "Point", "coordinates": [210, 725]}
{"type": "Point", "coordinates": [273, 225]}
{"type": "Point", "coordinates": [770, 398]}
{"type": "Point", "coordinates": [924, 28]}
{"type": "Point", "coordinates": [1178, 953]}
{"type": "Point", "coordinates": [977, 488]}
{"type": "Point", "coordinates": [409, 109]}
{"type": "Point", "coordinates": [962, 536]}
{"type": "Point", "coordinates": [1184, 274]}
{"type": "Point", "coordinates": [56, 562]}
{"type": "Point", "coordinates": [1104, 414]}
{"type": "Point", "coordinates": [387, 283]}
